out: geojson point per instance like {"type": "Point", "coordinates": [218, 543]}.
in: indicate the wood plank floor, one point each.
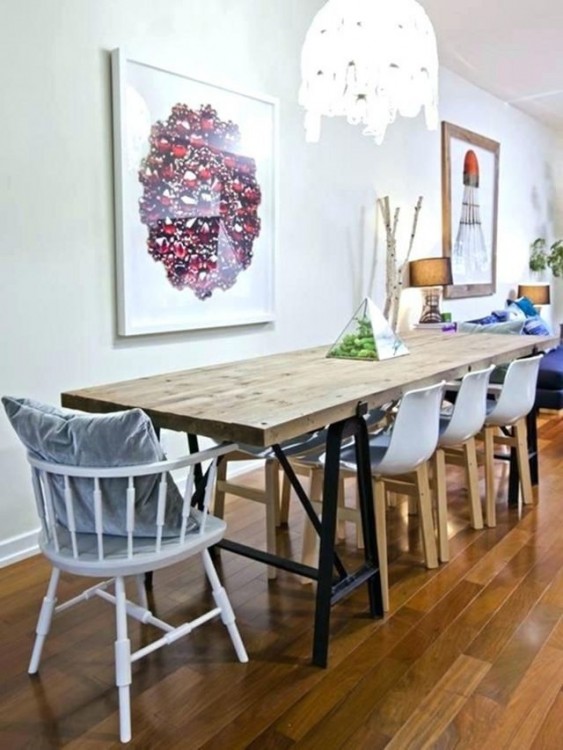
{"type": "Point", "coordinates": [471, 655]}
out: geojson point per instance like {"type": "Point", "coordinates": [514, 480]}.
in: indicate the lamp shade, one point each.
{"type": "Point", "coordinates": [538, 294]}
{"type": "Point", "coordinates": [430, 272]}
{"type": "Point", "coordinates": [369, 60]}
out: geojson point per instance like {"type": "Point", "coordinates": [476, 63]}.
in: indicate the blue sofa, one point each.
{"type": "Point", "coordinates": [549, 392]}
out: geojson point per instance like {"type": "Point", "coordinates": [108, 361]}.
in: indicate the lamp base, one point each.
{"type": "Point", "coordinates": [431, 306]}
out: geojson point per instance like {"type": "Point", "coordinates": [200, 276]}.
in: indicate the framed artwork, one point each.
{"type": "Point", "coordinates": [196, 201]}
{"type": "Point", "coordinates": [470, 173]}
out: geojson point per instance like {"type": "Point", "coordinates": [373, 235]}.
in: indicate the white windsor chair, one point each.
{"type": "Point", "coordinates": [100, 555]}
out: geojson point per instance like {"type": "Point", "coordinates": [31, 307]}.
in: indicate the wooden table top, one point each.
{"type": "Point", "coordinates": [266, 400]}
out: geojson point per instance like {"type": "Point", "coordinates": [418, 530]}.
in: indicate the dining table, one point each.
{"type": "Point", "coordinates": [267, 400]}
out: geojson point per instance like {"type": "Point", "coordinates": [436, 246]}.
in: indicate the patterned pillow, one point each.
{"type": "Point", "coordinates": [536, 326]}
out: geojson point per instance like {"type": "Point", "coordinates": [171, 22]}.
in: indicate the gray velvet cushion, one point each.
{"type": "Point", "coordinates": [126, 438]}
{"type": "Point", "coordinates": [510, 326]}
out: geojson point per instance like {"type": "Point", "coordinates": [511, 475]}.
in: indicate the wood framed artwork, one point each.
{"type": "Point", "coordinates": [470, 174]}
{"type": "Point", "coordinates": [196, 201]}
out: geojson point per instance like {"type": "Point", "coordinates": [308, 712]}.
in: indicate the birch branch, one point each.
{"type": "Point", "coordinates": [391, 250]}
{"type": "Point", "coordinates": [383, 204]}
{"type": "Point", "coordinates": [395, 222]}
{"type": "Point", "coordinates": [400, 271]}
{"type": "Point", "coordinates": [413, 232]}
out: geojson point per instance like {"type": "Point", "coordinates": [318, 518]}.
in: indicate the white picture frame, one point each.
{"type": "Point", "coordinates": [192, 252]}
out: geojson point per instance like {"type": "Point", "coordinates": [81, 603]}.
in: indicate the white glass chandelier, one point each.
{"type": "Point", "coordinates": [369, 60]}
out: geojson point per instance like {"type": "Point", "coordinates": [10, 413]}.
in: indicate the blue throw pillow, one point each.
{"type": "Point", "coordinates": [501, 315]}
{"type": "Point", "coordinates": [527, 307]}
{"type": "Point", "coordinates": [496, 316]}
{"type": "Point", "coordinates": [536, 326]}
{"type": "Point", "coordinates": [127, 438]}
{"type": "Point", "coordinates": [485, 321]}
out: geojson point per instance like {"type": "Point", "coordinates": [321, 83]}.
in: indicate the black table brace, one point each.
{"type": "Point", "coordinates": [331, 588]}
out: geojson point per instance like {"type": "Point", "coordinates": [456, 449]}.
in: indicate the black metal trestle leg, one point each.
{"type": "Point", "coordinates": [532, 429]}
{"type": "Point", "coordinates": [327, 593]}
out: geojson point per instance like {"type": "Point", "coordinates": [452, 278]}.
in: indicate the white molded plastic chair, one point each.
{"type": "Point", "coordinates": [515, 400]}
{"type": "Point", "coordinates": [99, 555]}
{"type": "Point", "coordinates": [457, 431]}
{"type": "Point", "coordinates": [398, 457]}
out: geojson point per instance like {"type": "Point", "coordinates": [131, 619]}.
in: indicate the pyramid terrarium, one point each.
{"type": "Point", "coordinates": [368, 336]}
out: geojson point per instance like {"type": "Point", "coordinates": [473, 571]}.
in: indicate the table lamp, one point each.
{"type": "Point", "coordinates": [431, 274]}
{"type": "Point", "coordinates": [538, 294]}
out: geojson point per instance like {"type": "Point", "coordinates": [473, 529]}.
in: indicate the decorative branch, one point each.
{"type": "Point", "coordinates": [414, 226]}
{"type": "Point", "coordinates": [395, 271]}
{"type": "Point", "coordinates": [390, 255]}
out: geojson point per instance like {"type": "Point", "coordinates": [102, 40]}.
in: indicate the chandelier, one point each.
{"type": "Point", "coordinates": [369, 60]}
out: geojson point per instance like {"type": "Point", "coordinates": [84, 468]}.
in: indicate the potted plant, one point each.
{"type": "Point", "coordinates": [542, 258]}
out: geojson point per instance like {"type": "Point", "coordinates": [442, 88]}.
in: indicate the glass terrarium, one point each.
{"type": "Point", "coordinates": [368, 336]}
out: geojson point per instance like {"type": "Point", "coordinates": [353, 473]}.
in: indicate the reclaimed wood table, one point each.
{"type": "Point", "coordinates": [267, 400]}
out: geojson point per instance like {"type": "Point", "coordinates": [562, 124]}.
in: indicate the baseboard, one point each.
{"type": "Point", "coordinates": [553, 412]}
{"type": "Point", "coordinates": [18, 548]}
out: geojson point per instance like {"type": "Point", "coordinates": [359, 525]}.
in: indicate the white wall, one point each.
{"type": "Point", "coordinates": [56, 205]}
{"type": "Point", "coordinates": [556, 211]}
{"type": "Point", "coordinates": [557, 166]}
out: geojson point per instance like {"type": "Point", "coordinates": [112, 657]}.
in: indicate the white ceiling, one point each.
{"type": "Point", "coordinates": [511, 48]}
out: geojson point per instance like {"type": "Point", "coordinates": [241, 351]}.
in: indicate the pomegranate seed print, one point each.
{"type": "Point", "coordinates": [200, 200]}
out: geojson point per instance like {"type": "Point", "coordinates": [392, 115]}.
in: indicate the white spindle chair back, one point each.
{"type": "Point", "coordinates": [66, 540]}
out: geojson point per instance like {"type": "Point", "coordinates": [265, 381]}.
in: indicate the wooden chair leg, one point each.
{"type": "Point", "coordinates": [272, 508]}
{"type": "Point", "coordinates": [520, 432]}
{"type": "Point", "coordinates": [219, 501]}
{"type": "Point", "coordinates": [440, 487]}
{"type": "Point", "coordinates": [472, 473]}
{"type": "Point", "coordinates": [392, 499]}
{"type": "Point", "coordinates": [285, 500]}
{"type": "Point", "coordinates": [490, 496]}
{"type": "Point", "coordinates": [380, 500]}
{"type": "Point", "coordinates": [425, 514]}
{"type": "Point", "coordinates": [309, 550]}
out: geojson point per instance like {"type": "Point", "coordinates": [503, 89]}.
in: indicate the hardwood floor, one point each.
{"type": "Point", "coordinates": [470, 656]}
